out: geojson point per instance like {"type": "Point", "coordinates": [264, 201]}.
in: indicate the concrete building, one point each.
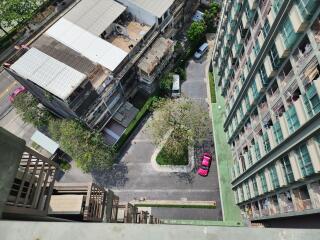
{"type": "Point", "coordinates": [85, 65]}
{"type": "Point", "coordinates": [266, 62]}
{"type": "Point", "coordinates": [30, 191]}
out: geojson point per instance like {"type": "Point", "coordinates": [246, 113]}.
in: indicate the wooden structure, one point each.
{"type": "Point", "coordinates": [32, 186]}
{"type": "Point", "coordinates": [83, 202]}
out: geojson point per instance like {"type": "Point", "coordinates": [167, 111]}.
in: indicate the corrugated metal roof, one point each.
{"type": "Point", "coordinates": [46, 143]}
{"type": "Point", "coordinates": [92, 47]}
{"type": "Point", "coordinates": [48, 73]}
{"type": "Point", "coordinates": [156, 7]}
{"type": "Point", "coordinates": [95, 16]}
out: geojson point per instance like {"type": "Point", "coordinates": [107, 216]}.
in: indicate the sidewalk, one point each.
{"type": "Point", "coordinates": [231, 212]}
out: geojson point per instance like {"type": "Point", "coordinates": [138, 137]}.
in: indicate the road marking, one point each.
{"type": "Point", "coordinates": [164, 190]}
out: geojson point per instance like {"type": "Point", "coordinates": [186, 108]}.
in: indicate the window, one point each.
{"type": "Point", "coordinates": [256, 48]}
{"type": "Point", "coordinates": [312, 101]}
{"type": "Point", "coordinates": [249, 158]}
{"type": "Point", "coordinates": [277, 132]}
{"type": "Point", "coordinates": [241, 193]}
{"type": "Point", "coordinates": [246, 99]}
{"type": "Point", "coordinates": [306, 7]}
{"type": "Point", "coordinates": [263, 75]}
{"type": "Point", "coordinates": [254, 89]}
{"type": "Point", "coordinates": [292, 119]}
{"type": "Point", "coordinates": [255, 186]}
{"type": "Point", "coordinates": [274, 176]}
{"type": "Point", "coordinates": [266, 142]}
{"type": "Point", "coordinates": [241, 111]}
{"type": "Point", "coordinates": [263, 182]}
{"type": "Point", "coordinates": [288, 33]}
{"type": "Point", "coordinates": [266, 28]}
{"type": "Point", "coordinates": [257, 151]}
{"type": "Point", "coordinates": [275, 61]}
{"type": "Point", "coordinates": [277, 5]}
{"type": "Point", "coordinates": [286, 166]}
{"type": "Point", "coordinates": [304, 160]}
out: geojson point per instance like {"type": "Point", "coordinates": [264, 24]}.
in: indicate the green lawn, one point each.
{"type": "Point", "coordinates": [166, 158]}
{"type": "Point", "coordinates": [212, 86]}
{"type": "Point", "coordinates": [231, 212]}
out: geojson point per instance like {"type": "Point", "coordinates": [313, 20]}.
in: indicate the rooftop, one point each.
{"type": "Point", "coordinates": [95, 16]}
{"type": "Point", "coordinates": [153, 57]}
{"type": "Point", "coordinates": [92, 47]}
{"type": "Point", "coordinates": [156, 8]}
{"type": "Point", "coordinates": [127, 35]}
{"type": "Point", "coordinates": [48, 73]}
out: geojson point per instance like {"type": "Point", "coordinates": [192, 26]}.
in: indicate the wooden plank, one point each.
{"type": "Point", "coordinates": [66, 204]}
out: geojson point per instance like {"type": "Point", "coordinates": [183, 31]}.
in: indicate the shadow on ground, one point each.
{"type": "Point", "coordinates": [116, 176]}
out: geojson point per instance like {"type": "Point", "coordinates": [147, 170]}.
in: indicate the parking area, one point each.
{"type": "Point", "coordinates": [134, 178]}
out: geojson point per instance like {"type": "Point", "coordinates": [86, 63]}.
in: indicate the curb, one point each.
{"type": "Point", "coordinates": [169, 168]}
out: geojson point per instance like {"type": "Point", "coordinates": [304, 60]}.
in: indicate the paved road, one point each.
{"type": "Point", "coordinates": [7, 86]}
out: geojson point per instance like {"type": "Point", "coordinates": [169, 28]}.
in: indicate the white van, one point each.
{"type": "Point", "coordinates": [201, 51]}
{"type": "Point", "coordinates": [175, 93]}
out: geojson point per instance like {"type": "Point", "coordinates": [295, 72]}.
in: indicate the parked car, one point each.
{"type": "Point", "coordinates": [175, 93]}
{"type": "Point", "coordinates": [205, 164]}
{"type": "Point", "coordinates": [16, 92]}
{"type": "Point", "coordinates": [201, 51]}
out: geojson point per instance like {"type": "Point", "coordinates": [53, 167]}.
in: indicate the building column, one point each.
{"type": "Point", "coordinates": [259, 184]}
{"type": "Point", "coordinates": [313, 196]}
{"type": "Point", "coordinates": [251, 188]}
{"type": "Point", "coordinates": [268, 179]}
{"type": "Point", "coordinates": [284, 127]}
{"type": "Point", "coordinates": [314, 154]}
{"type": "Point", "coordinates": [271, 137]}
{"type": "Point", "coordinates": [301, 114]}
{"type": "Point", "coordinates": [294, 166]}
{"type": "Point", "coordinates": [280, 173]}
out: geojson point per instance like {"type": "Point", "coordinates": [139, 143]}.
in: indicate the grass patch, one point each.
{"type": "Point", "coordinates": [134, 122]}
{"type": "Point", "coordinates": [167, 158]}
{"type": "Point", "coordinates": [212, 88]}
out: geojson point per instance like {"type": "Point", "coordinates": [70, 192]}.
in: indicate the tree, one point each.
{"type": "Point", "coordinates": [187, 120]}
{"type": "Point", "coordinates": [166, 83]}
{"type": "Point", "coordinates": [210, 16]}
{"type": "Point", "coordinates": [27, 107]}
{"type": "Point", "coordinates": [196, 32]}
{"type": "Point", "coordinates": [13, 12]}
{"type": "Point", "coordinates": [86, 147]}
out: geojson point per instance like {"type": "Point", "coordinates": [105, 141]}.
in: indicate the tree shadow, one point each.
{"type": "Point", "coordinates": [116, 176]}
{"type": "Point", "coordinates": [185, 177]}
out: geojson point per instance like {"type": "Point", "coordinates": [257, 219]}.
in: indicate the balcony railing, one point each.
{"type": "Point", "coordinates": [274, 97]}
{"type": "Point", "coordinates": [265, 212]}
{"type": "Point", "coordinates": [288, 207]}
{"type": "Point", "coordinates": [301, 58]}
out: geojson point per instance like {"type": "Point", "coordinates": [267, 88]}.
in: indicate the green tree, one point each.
{"type": "Point", "coordinates": [86, 147]}
{"type": "Point", "coordinates": [27, 107]}
{"type": "Point", "coordinates": [210, 17]}
{"type": "Point", "coordinates": [187, 120]}
{"type": "Point", "coordinates": [166, 83]}
{"type": "Point", "coordinates": [13, 12]}
{"type": "Point", "coordinates": [196, 33]}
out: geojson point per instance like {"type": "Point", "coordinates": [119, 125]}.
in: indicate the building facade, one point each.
{"type": "Point", "coordinates": [267, 65]}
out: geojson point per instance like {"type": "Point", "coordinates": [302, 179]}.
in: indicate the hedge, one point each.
{"type": "Point", "coordinates": [134, 123]}
{"type": "Point", "coordinates": [212, 88]}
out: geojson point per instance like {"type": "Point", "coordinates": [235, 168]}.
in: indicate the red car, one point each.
{"type": "Point", "coordinates": [16, 92]}
{"type": "Point", "coordinates": [205, 165]}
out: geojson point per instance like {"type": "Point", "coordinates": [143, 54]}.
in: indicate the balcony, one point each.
{"type": "Point", "coordinates": [288, 207]}
{"type": "Point", "coordinates": [286, 80]}
{"type": "Point", "coordinates": [263, 109]}
{"type": "Point", "coordinates": [274, 98]}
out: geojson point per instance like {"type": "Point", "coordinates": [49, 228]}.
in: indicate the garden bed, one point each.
{"type": "Point", "coordinates": [166, 158]}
